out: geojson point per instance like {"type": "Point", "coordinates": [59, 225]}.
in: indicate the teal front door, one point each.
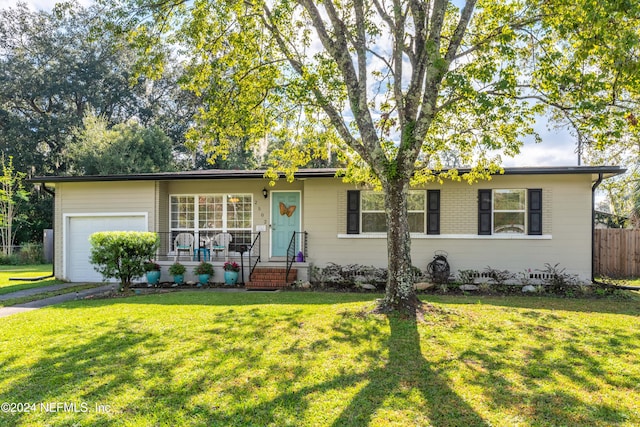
{"type": "Point", "coordinates": [285, 220]}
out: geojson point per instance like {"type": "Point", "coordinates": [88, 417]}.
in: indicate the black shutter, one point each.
{"type": "Point", "coordinates": [433, 211]}
{"type": "Point", "coordinates": [353, 212]}
{"type": "Point", "coordinates": [535, 211]}
{"type": "Point", "coordinates": [484, 212]}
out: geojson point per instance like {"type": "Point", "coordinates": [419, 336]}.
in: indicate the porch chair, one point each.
{"type": "Point", "coordinates": [183, 243]}
{"type": "Point", "coordinates": [221, 244]}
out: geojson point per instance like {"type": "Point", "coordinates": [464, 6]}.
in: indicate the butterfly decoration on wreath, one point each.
{"type": "Point", "coordinates": [288, 211]}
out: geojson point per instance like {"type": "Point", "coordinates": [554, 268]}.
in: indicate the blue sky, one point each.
{"type": "Point", "coordinates": [557, 148]}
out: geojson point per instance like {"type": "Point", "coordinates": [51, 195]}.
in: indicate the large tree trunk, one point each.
{"type": "Point", "coordinates": [400, 294]}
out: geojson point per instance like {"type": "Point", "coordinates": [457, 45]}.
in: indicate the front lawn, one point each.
{"type": "Point", "coordinates": [316, 359]}
{"type": "Point", "coordinates": [27, 271]}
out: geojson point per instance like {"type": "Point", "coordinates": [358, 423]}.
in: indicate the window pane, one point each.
{"type": "Point", "coordinates": [373, 223]}
{"type": "Point", "coordinates": [416, 222]}
{"type": "Point", "coordinates": [416, 200]}
{"type": "Point", "coordinates": [210, 212]}
{"type": "Point", "coordinates": [239, 211]}
{"type": "Point", "coordinates": [509, 200]}
{"type": "Point", "coordinates": [182, 212]}
{"type": "Point", "coordinates": [508, 222]}
{"type": "Point", "coordinates": [372, 201]}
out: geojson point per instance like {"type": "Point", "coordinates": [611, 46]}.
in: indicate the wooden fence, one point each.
{"type": "Point", "coordinates": [617, 253]}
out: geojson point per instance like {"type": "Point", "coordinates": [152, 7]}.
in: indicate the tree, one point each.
{"type": "Point", "coordinates": [11, 193]}
{"type": "Point", "coordinates": [398, 86]}
{"type": "Point", "coordinates": [123, 149]}
{"type": "Point", "coordinates": [122, 254]}
{"type": "Point", "coordinates": [55, 68]}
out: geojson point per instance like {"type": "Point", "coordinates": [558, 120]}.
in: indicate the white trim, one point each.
{"type": "Point", "coordinates": [271, 216]}
{"type": "Point", "coordinates": [66, 219]}
{"type": "Point", "coordinates": [502, 236]}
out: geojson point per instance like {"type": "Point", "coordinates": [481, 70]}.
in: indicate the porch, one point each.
{"type": "Point", "coordinates": [242, 247]}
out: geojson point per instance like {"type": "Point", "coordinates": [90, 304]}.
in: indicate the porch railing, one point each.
{"type": "Point", "coordinates": [242, 243]}
{"type": "Point", "coordinates": [254, 244]}
{"type": "Point", "coordinates": [297, 244]}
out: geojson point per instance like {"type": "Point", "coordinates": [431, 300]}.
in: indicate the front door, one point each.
{"type": "Point", "coordinates": [285, 220]}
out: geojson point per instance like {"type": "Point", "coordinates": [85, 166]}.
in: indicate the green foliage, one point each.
{"type": "Point", "coordinates": [204, 268]}
{"type": "Point", "coordinates": [177, 269]}
{"type": "Point", "coordinates": [151, 266]}
{"type": "Point", "coordinates": [31, 253]}
{"type": "Point", "coordinates": [12, 193]}
{"type": "Point", "coordinates": [557, 281]}
{"type": "Point", "coordinates": [124, 148]}
{"type": "Point", "coordinates": [467, 276]}
{"type": "Point", "coordinates": [122, 254]}
{"type": "Point", "coordinates": [499, 277]}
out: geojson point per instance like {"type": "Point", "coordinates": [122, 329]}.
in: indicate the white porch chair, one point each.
{"type": "Point", "coordinates": [183, 243]}
{"type": "Point", "coordinates": [221, 244]}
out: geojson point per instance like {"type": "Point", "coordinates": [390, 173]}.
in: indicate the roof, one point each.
{"type": "Point", "coordinates": [595, 171]}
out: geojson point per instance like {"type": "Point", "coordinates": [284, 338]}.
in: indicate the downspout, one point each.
{"type": "Point", "coordinates": [594, 187]}
{"type": "Point", "coordinates": [53, 223]}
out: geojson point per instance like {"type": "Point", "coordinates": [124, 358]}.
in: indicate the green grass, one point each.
{"type": "Point", "coordinates": [315, 359]}
{"type": "Point", "coordinates": [7, 271]}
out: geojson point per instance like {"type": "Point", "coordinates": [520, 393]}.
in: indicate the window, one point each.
{"type": "Point", "coordinates": [510, 211]}
{"type": "Point", "coordinates": [215, 213]}
{"type": "Point", "coordinates": [372, 215]}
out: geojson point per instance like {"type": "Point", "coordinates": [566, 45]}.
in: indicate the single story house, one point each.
{"type": "Point", "coordinates": [516, 221]}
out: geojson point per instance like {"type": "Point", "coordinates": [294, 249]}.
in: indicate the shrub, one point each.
{"type": "Point", "coordinates": [177, 269]}
{"type": "Point", "coordinates": [31, 253]}
{"type": "Point", "coordinates": [558, 282]}
{"type": "Point", "coordinates": [121, 254]}
{"type": "Point", "coordinates": [467, 277]}
{"type": "Point", "coordinates": [9, 259]}
{"type": "Point", "coordinates": [204, 268]}
{"type": "Point", "coordinates": [499, 277]}
{"type": "Point", "coordinates": [151, 266]}
{"type": "Point", "coordinates": [231, 266]}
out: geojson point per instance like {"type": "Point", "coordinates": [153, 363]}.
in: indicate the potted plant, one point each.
{"type": "Point", "coordinates": [177, 271]}
{"type": "Point", "coordinates": [152, 271]}
{"type": "Point", "coordinates": [231, 270]}
{"type": "Point", "coordinates": [204, 270]}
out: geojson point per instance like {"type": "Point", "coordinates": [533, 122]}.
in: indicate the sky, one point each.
{"type": "Point", "coordinates": [558, 147]}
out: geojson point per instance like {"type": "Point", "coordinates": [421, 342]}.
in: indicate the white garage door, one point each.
{"type": "Point", "coordinates": [78, 250]}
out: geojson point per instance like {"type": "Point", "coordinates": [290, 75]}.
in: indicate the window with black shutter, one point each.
{"type": "Point", "coordinates": [484, 212]}
{"type": "Point", "coordinates": [433, 211]}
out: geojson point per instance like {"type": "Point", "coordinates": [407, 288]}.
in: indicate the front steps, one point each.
{"type": "Point", "coordinates": [269, 278]}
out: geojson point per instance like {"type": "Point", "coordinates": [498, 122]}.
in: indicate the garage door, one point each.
{"type": "Point", "coordinates": [79, 228]}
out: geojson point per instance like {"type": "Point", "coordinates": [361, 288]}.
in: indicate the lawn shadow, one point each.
{"type": "Point", "coordinates": [407, 371]}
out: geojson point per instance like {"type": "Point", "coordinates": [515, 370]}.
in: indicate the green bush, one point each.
{"type": "Point", "coordinates": [177, 269]}
{"type": "Point", "coordinates": [9, 259]}
{"type": "Point", "coordinates": [122, 254]}
{"type": "Point", "coordinates": [204, 268]}
{"type": "Point", "coordinates": [31, 253]}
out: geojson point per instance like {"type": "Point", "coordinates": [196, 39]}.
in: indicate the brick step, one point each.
{"type": "Point", "coordinates": [271, 278]}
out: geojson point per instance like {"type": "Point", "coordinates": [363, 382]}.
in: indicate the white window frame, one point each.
{"type": "Point", "coordinates": [523, 211]}
{"type": "Point", "coordinates": [362, 212]}
{"type": "Point", "coordinates": [196, 229]}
